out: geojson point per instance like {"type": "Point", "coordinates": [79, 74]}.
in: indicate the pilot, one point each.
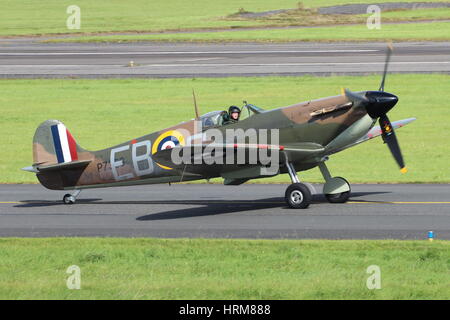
{"type": "Point", "coordinates": [232, 116]}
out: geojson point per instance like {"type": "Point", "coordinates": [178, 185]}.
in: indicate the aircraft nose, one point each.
{"type": "Point", "coordinates": [380, 103]}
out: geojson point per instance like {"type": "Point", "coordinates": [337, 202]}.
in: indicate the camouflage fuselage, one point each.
{"type": "Point", "coordinates": [318, 121]}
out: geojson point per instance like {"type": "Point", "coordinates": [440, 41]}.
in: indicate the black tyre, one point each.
{"type": "Point", "coordinates": [68, 199]}
{"type": "Point", "coordinates": [339, 197]}
{"type": "Point", "coordinates": [298, 196]}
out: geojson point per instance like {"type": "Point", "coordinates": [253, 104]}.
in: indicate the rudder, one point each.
{"type": "Point", "coordinates": [53, 143]}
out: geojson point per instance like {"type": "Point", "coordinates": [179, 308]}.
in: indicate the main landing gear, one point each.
{"type": "Point", "coordinates": [298, 195]}
{"type": "Point", "coordinates": [71, 198]}
{"type": "Point", "coordinates": [335, 189]}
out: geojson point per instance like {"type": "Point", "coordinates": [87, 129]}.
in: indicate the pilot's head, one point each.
{"type": "Point", "coordinates": [234, 112]}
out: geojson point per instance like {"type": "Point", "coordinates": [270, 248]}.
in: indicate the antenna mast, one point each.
{"type": "Point", "coordinates": [197, 116]}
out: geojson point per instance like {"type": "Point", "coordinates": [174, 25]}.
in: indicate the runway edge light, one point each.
{"type": "Point", "coordinates": [430, 235]}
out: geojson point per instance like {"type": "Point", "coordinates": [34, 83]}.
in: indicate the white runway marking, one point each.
{"type": "Point", "coordinates": [292, 64]}
{"type": "Point", "coordinates": [199, 59]}
{"type": "Point", "coordinates": [181, 52]}
{"type": "Point", "coordinates": [231, 64]}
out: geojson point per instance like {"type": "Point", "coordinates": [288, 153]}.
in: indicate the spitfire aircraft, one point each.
{"type": "Point", "coordinates": [308, 133]}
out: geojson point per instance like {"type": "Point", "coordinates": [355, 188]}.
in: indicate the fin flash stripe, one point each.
{"type": "Point", "coordinates": [65, 145]}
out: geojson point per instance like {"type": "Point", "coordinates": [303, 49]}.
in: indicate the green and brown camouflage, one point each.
{"type": "Point", "coordinates": [308, 133]}
{"type": "Point", "coordinates": [302, 136]}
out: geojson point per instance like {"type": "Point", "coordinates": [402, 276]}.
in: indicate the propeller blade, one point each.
{"type": "Point", "coordinates": [386, 64]}
{"type": "Point", "coordinates": [390, 139]}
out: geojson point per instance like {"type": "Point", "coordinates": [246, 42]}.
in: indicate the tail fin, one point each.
{"type": "Point", "coordinates": [53, 144]}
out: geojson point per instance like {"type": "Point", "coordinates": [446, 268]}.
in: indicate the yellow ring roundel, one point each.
{"type": "Point", "coordinates": [167, 140]}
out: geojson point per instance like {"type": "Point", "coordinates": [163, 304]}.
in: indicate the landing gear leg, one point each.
{"type": "Point", "coordinates": [71, 198]}
{"type": "Point", "coordinates": [335, 189]}
{"type": "Point", "coordinates": [297, 195]}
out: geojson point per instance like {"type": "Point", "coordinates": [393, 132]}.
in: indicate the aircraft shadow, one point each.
{"type": "Point", "coordinates": [210, 207]}
{"type": "Point", "coordinates": [224, 207]}
{"type": "Point", "coordinates": [49, 203]}
{"type": "Point", "coordinates": [215, 208]}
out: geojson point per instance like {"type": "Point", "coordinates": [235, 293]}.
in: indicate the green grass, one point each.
{"type": "Point", "coordinates": [102, 113]}
{"type": "Point", "coordinates": [430, 31]}
{"type": "Point", "coordinates": [419, 14]}
{"type": "Point", "coordinates": [311, 17]}
{"type": "Point", "coordinates": [27, 17]}
{"type": "Point", "coordinates": [222, 269]}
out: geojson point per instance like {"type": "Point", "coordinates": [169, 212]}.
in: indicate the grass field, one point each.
{"type": "Point", "coordinates": [222, 269]}
{"type": "Point", "coordinates": [27, 17]}
{"type": "Point", "coordinates": [418, 14]}
{"type": "Point", "coordinates": [102, 113]}
{"type": "Point", "coordinates": [430, 31]}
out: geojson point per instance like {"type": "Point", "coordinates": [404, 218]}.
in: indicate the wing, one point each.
{"type": "Point", "coordinates": [211, 159]}
{"type": "Point", "coordinates": [198, 152]}
{"type": "Point", "coordinates": [375, 132]}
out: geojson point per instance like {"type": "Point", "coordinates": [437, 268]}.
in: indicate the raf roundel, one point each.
{"type": "Point", "coordinates": [167, 140]}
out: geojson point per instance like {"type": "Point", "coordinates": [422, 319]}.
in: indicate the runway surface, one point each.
{"type": "Point", "coordinates": [246, 211]}
{"type": "Point", "coordinates": [31, 59]}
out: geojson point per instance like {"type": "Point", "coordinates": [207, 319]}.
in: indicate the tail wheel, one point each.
{"type": "Point", "coordinates": [69, 199]}
{"type": "Point", "coordinates": [298, 196]}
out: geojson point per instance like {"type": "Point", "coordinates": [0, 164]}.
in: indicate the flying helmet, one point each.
{"type": "Point", "coordinates": [233, 109]}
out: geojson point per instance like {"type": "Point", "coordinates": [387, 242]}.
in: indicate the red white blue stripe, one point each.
{"type": "Point", "coordinates": [65, 145]}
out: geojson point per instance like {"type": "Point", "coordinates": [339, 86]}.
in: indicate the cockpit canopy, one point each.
{"type": "Point", "coordinates": [212, 119]}
{"type": "Point", "coordinates": [215, 118]}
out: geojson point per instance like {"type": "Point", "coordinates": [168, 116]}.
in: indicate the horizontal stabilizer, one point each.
{"type": "Point", "coordinates": [30, 169]}
{"type": "Point", "coordinates": [58, 167]}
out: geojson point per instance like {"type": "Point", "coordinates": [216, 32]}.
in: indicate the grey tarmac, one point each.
{"type": "Point", "coordinates": [256, 211]}
{"type": "Point", "coordinates": [29, 58]}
